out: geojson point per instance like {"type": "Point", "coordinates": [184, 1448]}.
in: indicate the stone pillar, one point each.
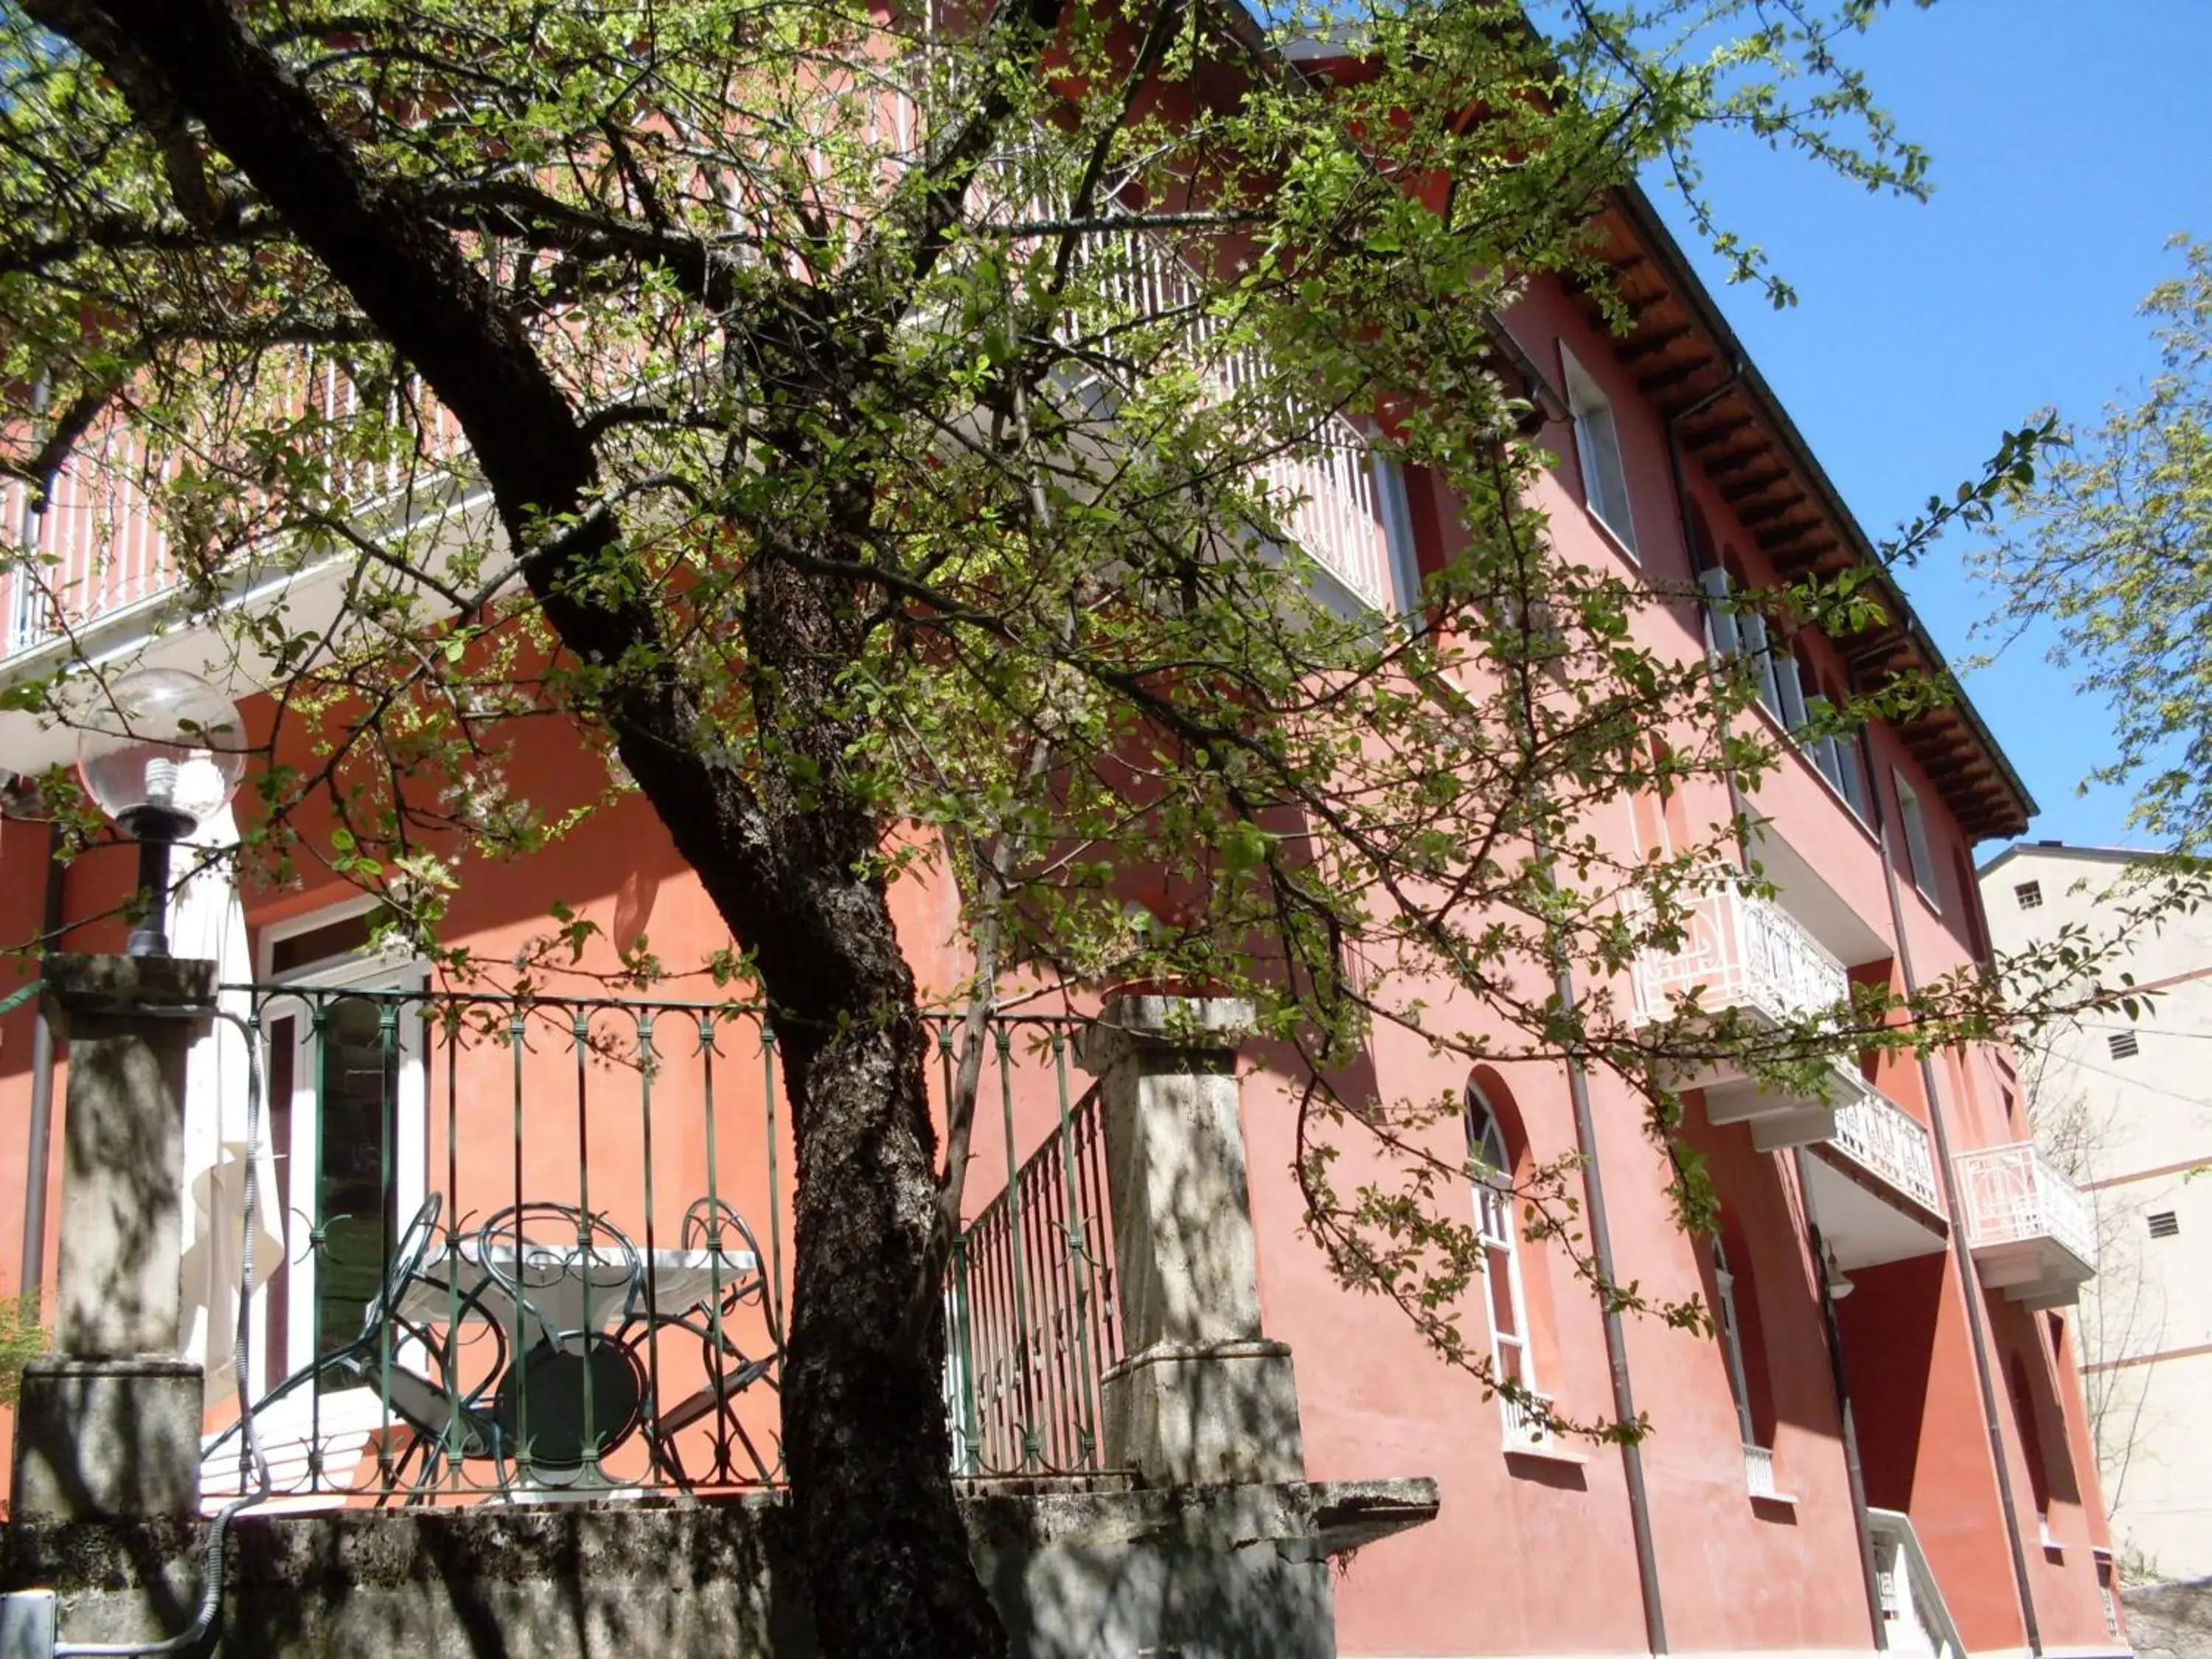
{"type": "Point", "coordinates": [109, 1425]}
{"type": "Point", "coordinates": [1202, 1397]}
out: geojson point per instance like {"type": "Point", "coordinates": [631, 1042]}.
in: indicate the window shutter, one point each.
{"type": "Point", "coordinates": [1753, 628]}
{"type": "Point", "coordinates": [1850, 761]}
{"type": "Point", "coordinates": [1790, 683]}
{"type": "Point", "coordinates": [1720, 622]}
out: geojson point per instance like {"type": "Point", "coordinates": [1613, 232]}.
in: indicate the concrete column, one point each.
{"type": "Point", "coordinates": [1202, 1397]}
{"type": "Point", "coordinates": [109, 1425]}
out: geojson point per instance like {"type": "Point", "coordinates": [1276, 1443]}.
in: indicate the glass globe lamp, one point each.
{"type": "Point", "coordinates": [160, 755]}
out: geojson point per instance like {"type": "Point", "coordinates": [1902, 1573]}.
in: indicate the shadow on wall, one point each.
{"type": "Point", "coordinates": [1889, 1323]}
{"type": "Point", "coordinates": [1232, 1573]}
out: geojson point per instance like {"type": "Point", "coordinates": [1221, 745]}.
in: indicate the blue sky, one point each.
{"type": "Point", "coordinates": [2070, 138]}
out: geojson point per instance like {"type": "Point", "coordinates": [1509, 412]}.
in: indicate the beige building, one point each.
{"type": "Point", "coordinates": [2125, 1107]}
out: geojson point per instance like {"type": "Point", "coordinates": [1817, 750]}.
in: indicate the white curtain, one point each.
{"type": "Point", "coordinates": [207, 921]}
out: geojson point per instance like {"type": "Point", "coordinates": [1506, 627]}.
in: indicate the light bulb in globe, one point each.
{"type": "Point", "coordinates": [161, 755]}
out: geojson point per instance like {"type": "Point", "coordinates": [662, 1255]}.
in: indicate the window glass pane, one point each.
{"type": "Point", "coordinates": [1597, 451]}
{"type": "Point", "coordinates": [1916, 839]}
{"type": "Point", "coordinates": [1504, 1314]}
{"type": "Point", "coordinates": [1513, 1362]}
{"type": "Point", "coordinates": [1850, 761]}
{"type": "Point", "coordinates": [333, 940]}
{"type": "Point", "coordinates": [355, 1183]}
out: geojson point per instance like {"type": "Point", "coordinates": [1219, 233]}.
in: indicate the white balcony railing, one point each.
{"type": "Point", "coordinates": [1915, 1618]}
{"type": "Point", "coordinates": [99, 546]}
{"type": "Point", "coordinates": [1525, 1428]}
{"type": "Point", "coordinates": [1759, 1471]}
{"type": "Point", "coordinates": [1749, 955]}
{"type": "Point", "coordinates": [2016, 1195]}
{"type": "Point", "coordinates": [1884, 1139]}
{"type": "Point", "coordinates": [1743, 952]}
{"type": "Point", "coordinates": [1338, 519]}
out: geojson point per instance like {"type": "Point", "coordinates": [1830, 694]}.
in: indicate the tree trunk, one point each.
{"type": "Point", "coordinates": [866, 1434]}
{"type": "Point", "coordinates": [783, 857]}
{"type": "Point", "coordinates": [865, 1429]}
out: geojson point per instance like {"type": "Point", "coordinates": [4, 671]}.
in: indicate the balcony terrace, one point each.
{"type": "Point", "coordinates": [1873, 1185]}
{"type": "Point", "coordinates": [98, 578]}
{"type": "Point", "coordinates": [1747, 954]}
{"type": "Point", "coordinates": [2030, 1228]}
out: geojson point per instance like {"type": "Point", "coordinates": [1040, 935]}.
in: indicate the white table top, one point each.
{"type": "Point", "coordinates": [558, 1282]}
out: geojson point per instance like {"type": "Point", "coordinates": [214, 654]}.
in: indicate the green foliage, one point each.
{"type": "Point", "coordinates": [2111, 545]}
{"type": "Point", "coordinates": [1012, 351]}
{"type": "Point", "coordinates": [22, 1338]}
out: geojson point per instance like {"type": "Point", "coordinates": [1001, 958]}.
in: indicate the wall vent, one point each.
{"type": "Point", "coordinates": [2123, 1045]}
{"type": "Point", "coordinates": [2164, 1224]}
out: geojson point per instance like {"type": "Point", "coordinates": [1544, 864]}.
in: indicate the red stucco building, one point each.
{"type": "Point", "coordinates": [1884, 1446]}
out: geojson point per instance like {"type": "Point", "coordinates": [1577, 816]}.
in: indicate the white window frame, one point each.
{"type": "Point", "coordinates": [1395, 508]}
{"type": "Point", "coordinates": [412, 1113]}
{"type": "Point", "coordinates": [1850, 766]}
{"type": "Point", "coordinates": [1597, 451]}
{"type": "Point", "coordinates": [1498, 1229]}
{"type": "Point", "coordinates": [1731, 1336]}
{"type": "Point", "coordinates": [1916, 841]}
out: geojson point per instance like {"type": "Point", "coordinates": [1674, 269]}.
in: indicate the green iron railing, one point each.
{"type": "Point", "coordinates": [538, 1247]}
{"type": "Point", "coordinates": [1030, 1299]}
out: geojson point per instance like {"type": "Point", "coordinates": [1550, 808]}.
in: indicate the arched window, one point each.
{"type": "Point", "coordinates": [1497, 1225]}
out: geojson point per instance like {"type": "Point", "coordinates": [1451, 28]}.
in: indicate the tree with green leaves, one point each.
{"type": "Point", "coordinates": [2109, 543]}
{"type": "Point", "coordinates": [880, 433]}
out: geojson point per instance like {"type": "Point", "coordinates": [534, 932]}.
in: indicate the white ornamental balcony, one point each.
{"type": "Point", "coordinates": [1748, 954]}
{"type": "Point", "coordinates": [2030, 1228]}
{"type": "Point", "coordinates": [1873, 1185]}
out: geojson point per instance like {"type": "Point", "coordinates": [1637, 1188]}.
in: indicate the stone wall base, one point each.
{"type": "Point", "coordinates": [1182, 1414]}
{"type": "Point", "coordinates": [103, 1439]}
{"type": "Point", "coordinates": [1078, 1570]}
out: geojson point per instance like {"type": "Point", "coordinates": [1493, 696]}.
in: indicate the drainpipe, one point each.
{"type": "Point", "coordinates": [1961, 1254]}
{"type": "Point", "coordinates": [40, 1151]}
{"type": "Point", "coordinates": [1854, 1470]}
{"type": "Point", "coordinates": [1616, 1342]}
{"type": "Point", "coordinates": [42, 1087]}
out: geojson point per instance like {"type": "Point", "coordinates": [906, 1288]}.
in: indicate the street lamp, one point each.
{"type": "Point", "coordinates": [162, 755]}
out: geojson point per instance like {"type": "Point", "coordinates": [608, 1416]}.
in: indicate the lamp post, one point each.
{"type": "Point", "coordinates": [162, 755]}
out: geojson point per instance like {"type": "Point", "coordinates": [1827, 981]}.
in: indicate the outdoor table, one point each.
{"type": "Point", "coordinates": [556, 1283]}
{"type": "Point", "coordinates": [571, 1300]}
